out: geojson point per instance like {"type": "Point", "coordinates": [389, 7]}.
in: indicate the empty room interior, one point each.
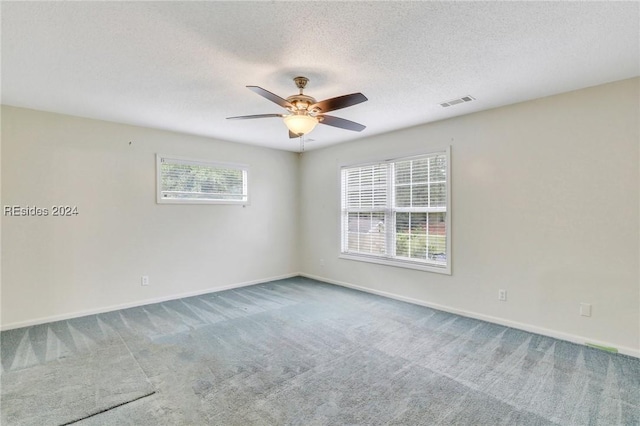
{"type": "Point", "coordinates": [320, 213]}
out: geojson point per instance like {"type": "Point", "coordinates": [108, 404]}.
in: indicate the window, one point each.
{"type": "Point", "coordinates": [193, 182]}
{"type": "Point", "coordinates": [397, 212]}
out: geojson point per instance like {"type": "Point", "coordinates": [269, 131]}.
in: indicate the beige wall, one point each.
{"type": "Point", "coordinates": [544, 204]}
{"type": "Point", "coordinates": [55, 267]}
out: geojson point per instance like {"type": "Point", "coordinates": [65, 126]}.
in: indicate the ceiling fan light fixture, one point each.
{"type": "Point", "coordinates": [300, 124]}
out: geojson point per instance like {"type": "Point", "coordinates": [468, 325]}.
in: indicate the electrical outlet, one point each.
{"type": "Point", "coordinates": [585, 309]}
{"type": "Point", "coordinates": [322, 263]}
{"type": "Point", "coordinates": [502, 295]}
{"type": "Point", "coordinates": [145, 280]}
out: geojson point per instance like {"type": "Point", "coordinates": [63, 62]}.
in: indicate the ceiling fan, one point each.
{"type": "Point", "coordinates": [305, 112]}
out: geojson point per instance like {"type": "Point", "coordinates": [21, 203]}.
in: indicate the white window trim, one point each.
{"type": "Point", "coordinates": [398, 262]}
{"type": "Point", "coordinates": [161, 200]}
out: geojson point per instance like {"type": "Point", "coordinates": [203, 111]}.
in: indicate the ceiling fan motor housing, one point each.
{"type": "Point", "coordinates": [301, 102]}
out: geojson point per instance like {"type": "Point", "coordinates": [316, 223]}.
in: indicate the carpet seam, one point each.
{"type": "Point", "coordinates": [107, 409]}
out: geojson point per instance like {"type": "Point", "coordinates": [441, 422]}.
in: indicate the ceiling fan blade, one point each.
{"type": "Point", "coordinates": [293, 135]}
{"type": "Point", "coordinates": [271, 96]}
{"type": "Point", "coordinates": [330, 120]}
{"type": "Point", "coordinates": [339, 102]}
{"type": "Point", "coordinates": [247, 117]}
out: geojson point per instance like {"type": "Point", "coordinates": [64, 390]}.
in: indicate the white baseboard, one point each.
{"type": "Point", "coordinates": [61, 317]}
{"type": "Point", "coordinates": [495, 320]}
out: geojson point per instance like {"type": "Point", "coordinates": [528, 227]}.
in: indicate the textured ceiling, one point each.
{"type": "Point", "coordinates": [183, 66]}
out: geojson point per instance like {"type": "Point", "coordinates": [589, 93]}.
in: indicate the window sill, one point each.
{"type": "Point", "coordinates": [196, 201]}
{"type": "Point", "coordinates": [446, 270]}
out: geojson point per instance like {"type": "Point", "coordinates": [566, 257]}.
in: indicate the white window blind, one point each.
{"type": "Point", "coordinates": [193, 181]}
{"type": "Point", "coordinates": [396, 212]}
{"type": "Point", "coordinates": [365, 205]}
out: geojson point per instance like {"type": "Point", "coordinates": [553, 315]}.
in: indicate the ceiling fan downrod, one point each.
{"type": "Point", "coordinates": [301, 82]}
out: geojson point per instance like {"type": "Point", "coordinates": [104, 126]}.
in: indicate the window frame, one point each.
{"type": "Point", "coordinates": [388, 259]}
{"type": "Point", "coordinates": [213, 164]}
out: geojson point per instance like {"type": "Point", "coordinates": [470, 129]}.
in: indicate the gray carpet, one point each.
{"type": "Point", "coordinates": [300, 352]}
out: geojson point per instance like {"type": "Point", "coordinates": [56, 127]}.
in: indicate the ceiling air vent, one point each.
{"type": "Point", "coordinates": [458, 101]}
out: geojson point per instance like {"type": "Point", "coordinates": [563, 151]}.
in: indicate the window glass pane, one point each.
{"type": "Point", "coordinates": [403, 196]}
{"type": "Point", "coordinates": [402, 222]}
{"type": "Point", "coordinates": [418, 223]}
{"type": "Point", "coordinates": [438, 195]}
{"type": "Point", "coordinates": [366, 233]}
{"type": "Point", "coordinates": [353, 198]}
{"type": "Point", "coordinates": [366, 177]}
{"type": "Point", "coordinates": [377, 223]}
{"type": "Point", "coordinates": [420, 196]}
{"type": "Point", "coordinates": [187, 179]}
{"type": "Point", "coordinates": [411, 235]}
{"type": "Point", "coordinates": [353, 222]}
{"type": "Point", "coordinates": [402, 245]}
{"type": "Point", "coordinates": [379, 197]}
{"type": "Point", "coordinates": [438, 168]}
{"type": "Point", "coordinates": [366, 197]}
{"type": "Point", "coordinates": [420, 171]}
{"type": "Point", "coordinates": [366, 187]}
{"type": "Point", "coordinates": [352, 243]}
{"type": "Point", "coordinates": [418, 249]}
{"type": "Point", "coordinates": [190, 180]}
{"type": "Point", "coordinates": [380, 175]}
{"type": "Point", "coordinates": [437, 224]}
{"type": "Point", "coordinates": [403, 171]}
{"type": "Point", "coordinates": [378, 245]}
{"type": "Point", "coordinates": [437, 249]}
